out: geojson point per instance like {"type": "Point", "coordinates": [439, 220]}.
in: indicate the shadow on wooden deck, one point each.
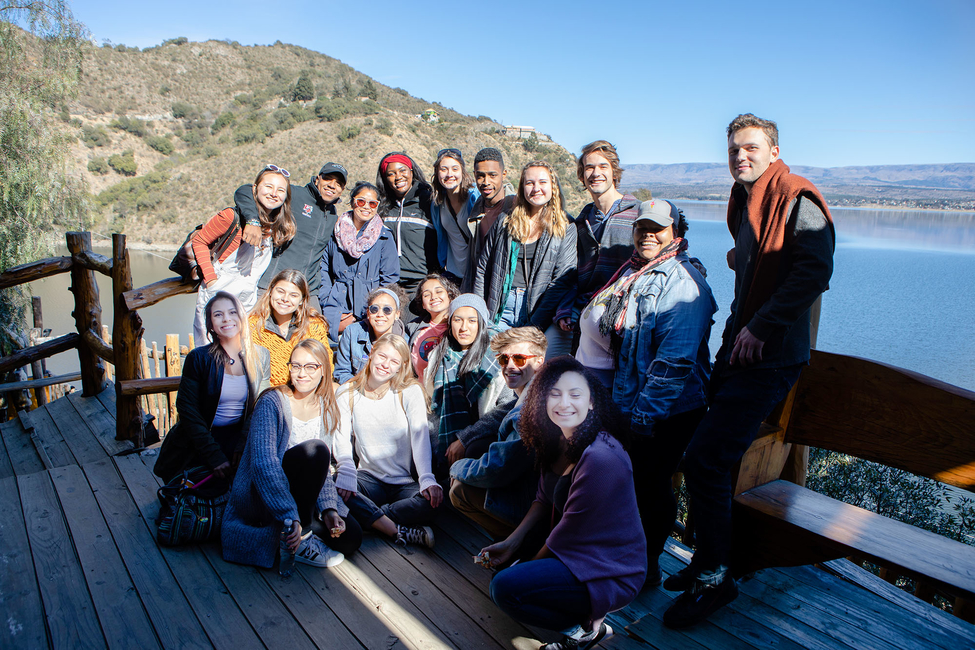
{"type": "Point", "coordinates": [79, 567]}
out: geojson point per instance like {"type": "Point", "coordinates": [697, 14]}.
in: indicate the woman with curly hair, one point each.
{"type": "Point", "coordinates": [432, 303]}
{"type": "Point", "coordinates": [593, 560]}
{"type": "Point", "coordinates": [282, 318]}
{"type": "Point", "coordinates": [528, 264]}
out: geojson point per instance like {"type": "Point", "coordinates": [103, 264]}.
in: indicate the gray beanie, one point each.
{"type": "Point", "coordinates": [469, 300]}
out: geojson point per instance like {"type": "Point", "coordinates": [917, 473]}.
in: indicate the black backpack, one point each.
{"type": "Point", "coordinates": [184, 263]}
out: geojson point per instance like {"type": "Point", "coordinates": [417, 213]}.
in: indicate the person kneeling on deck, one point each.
{"type": "Point", "coordinates": [594, 559]}
{"type": "Point", "coordinates": [285, 475]}
{"type": "Point", "coordinates": [383, 416]}
{"type": "Point", "coordinates": [492, 482]}
{"type": "Point", "coordinates": [783, 260]}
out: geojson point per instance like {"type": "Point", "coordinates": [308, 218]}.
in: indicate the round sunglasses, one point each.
{"type": "Point", "coordinates": [360, 202]}
{"type": "Point", "coordinates": [386, 309]}
{"type": "Point", "coordinates": [519, 359]}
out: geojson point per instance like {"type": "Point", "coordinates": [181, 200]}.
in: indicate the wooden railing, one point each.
{"type": "Point", "coordinates": [98, 354]}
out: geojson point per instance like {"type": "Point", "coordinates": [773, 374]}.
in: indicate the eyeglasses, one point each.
{"type": "Point", "coordinates": [361, 203]}
{"type": "Point", "coordinates": [280, 170]}
{"type": "Point", "coordinates": [519, 359]}
{"type": "Point", "coordinates": [453, 153]}
{"type": "Point", "coordinates": [310, 368]}
{"type": "Point", "coordinates": [374, 309]}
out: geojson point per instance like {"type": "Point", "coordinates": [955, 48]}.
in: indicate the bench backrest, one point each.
{"type": "Point", "coordinates": [885, 414]}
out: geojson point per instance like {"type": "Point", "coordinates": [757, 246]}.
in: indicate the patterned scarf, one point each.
{"type": "Point", "coordinates": [619, 294]}
{"type": "Point", "coordinates": [350, 241]}
{"type": "Point", "coordinates": [455, 396]}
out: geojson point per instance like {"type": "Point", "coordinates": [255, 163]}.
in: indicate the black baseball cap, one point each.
{"type": "Point", "coordinates": [335, 168]}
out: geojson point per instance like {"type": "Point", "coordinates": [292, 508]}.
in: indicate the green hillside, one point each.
{"type": "Point", "coordinates": [166, 134]}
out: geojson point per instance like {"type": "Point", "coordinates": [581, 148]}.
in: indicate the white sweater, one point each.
{"type": "Point", "coordinates": [389, 433]}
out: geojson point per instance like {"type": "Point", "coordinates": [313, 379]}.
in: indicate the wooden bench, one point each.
{"type": "Point", "coordinates": [874, 412]}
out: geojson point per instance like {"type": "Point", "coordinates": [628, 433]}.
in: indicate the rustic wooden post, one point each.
{"type": "Point", "coordinates": [87, 313]}
{"type": "Point", "coordinates": [126, 334]}
{"type": "Point", "coordinates": [174, 368]}
{"type": "Point", "coordinates": [37, 368]}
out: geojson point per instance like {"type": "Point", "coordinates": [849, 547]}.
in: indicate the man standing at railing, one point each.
{"type": "Point", "coordinates": [783, 260]}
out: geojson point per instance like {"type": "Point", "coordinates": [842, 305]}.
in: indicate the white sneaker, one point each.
{"type": "Point", "coordinates": [313, 551]}
{"type": "Point", "coordinates": [579, 639]}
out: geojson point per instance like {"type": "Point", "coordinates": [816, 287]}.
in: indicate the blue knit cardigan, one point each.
{"type": "Point", "coordinates": [261, 500]}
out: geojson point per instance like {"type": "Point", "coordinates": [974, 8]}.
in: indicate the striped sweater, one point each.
{"type": "Point", "coordinates": [216, 226]}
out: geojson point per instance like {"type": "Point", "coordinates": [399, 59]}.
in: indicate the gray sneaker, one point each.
{"type": "Point", "coordinates": [313, 551]}
{"type": "Point", "coordinates": [422, 535]}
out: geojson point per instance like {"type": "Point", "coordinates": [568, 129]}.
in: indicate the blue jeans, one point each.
{"type": "Point", "coordinates": [543, 593]}
{"type": "Point", "coordinates": [402, 503]}
{"type": "Point", "coordinates": [514, 313]}
{"type": "Point", "coordinates": [739, 403]}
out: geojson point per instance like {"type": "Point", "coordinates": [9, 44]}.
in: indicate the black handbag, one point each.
{"type": "Point", "coordinates": [192, 508]}
{"type": "Point", "coordinates": [185, 264]}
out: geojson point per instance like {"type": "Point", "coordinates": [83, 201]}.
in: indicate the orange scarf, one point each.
{"type": "Point", "coordinates": [767, 211]}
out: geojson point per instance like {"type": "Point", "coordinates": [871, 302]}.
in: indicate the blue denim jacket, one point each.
{"type": "Point", "coordinates": [506, 470]}
{"type": "Point", "coordinates": [664, 363]}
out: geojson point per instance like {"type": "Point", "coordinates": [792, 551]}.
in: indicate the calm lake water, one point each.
{"type": "Point", "coordinates": [903, 290]}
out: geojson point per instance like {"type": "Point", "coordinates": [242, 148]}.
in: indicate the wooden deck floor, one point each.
{"type": "Point", "coordinates": [79, 568]}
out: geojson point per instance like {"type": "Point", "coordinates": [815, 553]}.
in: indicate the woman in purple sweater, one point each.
{"type": "Point", "coordinates": [593, 560]}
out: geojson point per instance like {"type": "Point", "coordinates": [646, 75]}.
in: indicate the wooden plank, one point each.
{"type": "Point", "coordinates": [74, 430]}
{"type": "Point", "coordinates": [319, 622]}
{"type": "Point", "coordinates": [267, 615]}
{"type": "Point", "coordinates": [100, 421]}
{"type": "Point", "coordinates": [172, 616]}
{"type": "Point", "coordinates": [148, 402]}
{"type": "Point", "coordinates": [107, 398]}
{"type": "Point", "coordinates": [6, 469]}
{"type": "Point", "coordinates": [124, 621]}
{"type": "Point", "coordinates": [34, 271]}
{"type": "Point", "coordinates": [373, 609]}
{"type": "Point", "coordinates": [136, 387]}
{"type": "Point", "coordinates": [44, 350]}
{"type": "Point", "coordinates": [20, 448]}
{"type": "Point", "coordinates": [455, 588]}
{"type": "Point", "coordinates": [806, 514]}
{"type": "Point", "coordinates": [650, 628]}
{"type": "Point", "coordinates": [854, 607]}
{"type": "Point", "coordinates": [20, 598]}
{"type": "Point", "coordinates": [46, 434]}
{"type": "Point", "coordinates": [69, 612]}
{"type": "Point", "coordinates": [94, 262]}
{"type": "Point", "coordinates": [224, 623]}
{"type": "Point", "coordinates": [415, 587]}
{"type": "Point", "coordinates": [152, 293]}
{"type": "Point", "coordinates": [39, 383]}
{"type": "Point", "coordinates": [162, 404]}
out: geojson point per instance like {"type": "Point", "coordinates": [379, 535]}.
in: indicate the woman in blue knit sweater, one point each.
{"type": "Point", "coordinates": [284, 474]}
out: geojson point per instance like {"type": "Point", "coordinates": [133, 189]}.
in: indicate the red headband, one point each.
{"type": "Point", "coordinates": [395, 158]}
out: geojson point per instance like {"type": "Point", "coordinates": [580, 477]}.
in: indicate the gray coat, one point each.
{"type": "Point", "coordinates": [551, 278]}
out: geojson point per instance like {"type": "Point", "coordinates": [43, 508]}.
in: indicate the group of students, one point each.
{"type": "Point", "coordinates": [472, 341]}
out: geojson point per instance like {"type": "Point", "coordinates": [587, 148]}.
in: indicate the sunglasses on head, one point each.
{"type": "Point", "coordinates": [360, 202]}
{"type": "Point", "coordinates": [281, 170]}
{"type": "Point", "coordinates": [386, 309]}
{"type": "Point", "coordinates": [519, 359]}
{"type": "Point", "coordinates": [453, 153]}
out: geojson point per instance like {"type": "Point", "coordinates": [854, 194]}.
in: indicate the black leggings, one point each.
{"type": "Point", "coordinates": [306, 467]}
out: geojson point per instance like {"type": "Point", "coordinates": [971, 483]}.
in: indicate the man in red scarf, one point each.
{"type": "Point", "coordinates": [783, 260]}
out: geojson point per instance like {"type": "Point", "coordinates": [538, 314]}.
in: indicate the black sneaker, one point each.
{"type": "Point", "coordinates": [682, 580]}
{"type": "Point", "coordinates": [653, 576]}
{"type": "Point", "coordinates": [580, 639]}
{"type": "Point", "coordinates": [422, 535]}
{"type": "Point", "coordinates": [702, 600]}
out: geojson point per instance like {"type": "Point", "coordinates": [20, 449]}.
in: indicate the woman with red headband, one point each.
{"type": "Point", "coordinates": [404, 205]}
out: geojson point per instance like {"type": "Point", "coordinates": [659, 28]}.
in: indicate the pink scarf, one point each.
{"type": "Point", "coordinates": [351, 241]}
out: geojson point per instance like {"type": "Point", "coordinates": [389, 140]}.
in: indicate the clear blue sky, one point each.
{"type": "Point", "coordinates": [850, 82]}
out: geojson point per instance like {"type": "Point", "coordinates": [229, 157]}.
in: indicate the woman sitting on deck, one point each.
{"type": "Point", "coordinates": [424, 333]}
{"type": "Point", "coordinates": [284, 317]}
{"type": "Point", "coordinates": [284, 473]}
{"type": "Point", "coordinates": [383, 309]}
{"type": "Point", "coordinates": [217, 391]}
{"type": "Point", "coordinates": [593, 560]}
{"type": "Point", "coordinates": [384, 416]}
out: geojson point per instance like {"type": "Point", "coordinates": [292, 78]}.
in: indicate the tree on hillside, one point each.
{"type": "Point", "coordinates": [40, 60]}
{"type": "Point", "coordinates": [304, 88]}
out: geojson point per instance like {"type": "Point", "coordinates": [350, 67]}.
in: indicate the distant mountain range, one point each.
{"type": "Point", "coordinates": [950, 186]}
